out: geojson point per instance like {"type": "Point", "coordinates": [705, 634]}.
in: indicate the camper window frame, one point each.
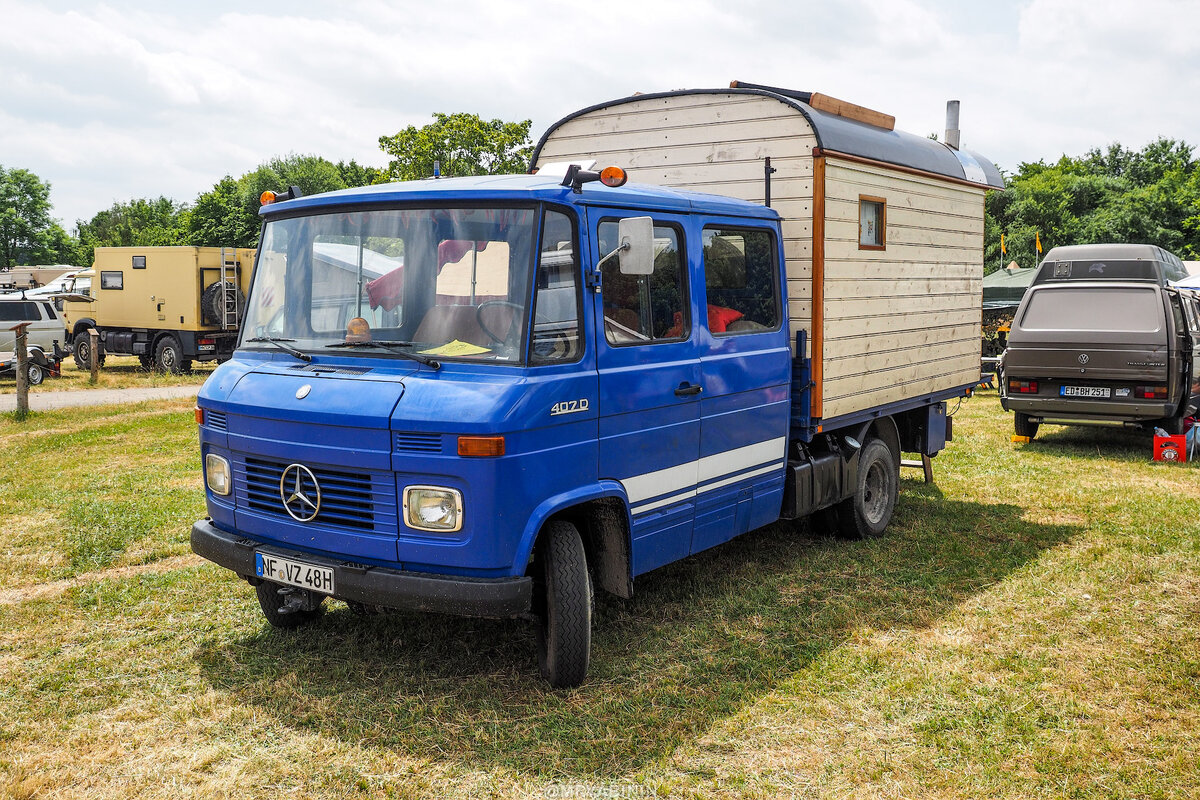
{"type": "Point", "coordinates": [881, 233]}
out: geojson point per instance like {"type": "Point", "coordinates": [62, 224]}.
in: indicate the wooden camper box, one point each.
{"type": "Point", "coordinates": [886, 323]}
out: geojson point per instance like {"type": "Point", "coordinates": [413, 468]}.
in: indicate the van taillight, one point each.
{"type": "Point", "coordinates": [1150, 392]}
{"type": "Point", "coordinates": [1023, 387]}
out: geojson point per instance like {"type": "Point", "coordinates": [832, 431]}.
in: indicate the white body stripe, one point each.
{"type": "Point", "coordinates": [687, 477]}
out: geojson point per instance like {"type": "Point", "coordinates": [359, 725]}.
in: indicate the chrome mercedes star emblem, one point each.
{"type": "Point", "coordinates": [1083, 358]}
{"type": "Point", "coordinates": [300, 493]}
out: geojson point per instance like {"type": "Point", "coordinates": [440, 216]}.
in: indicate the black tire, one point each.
{"type": "Point", "coordinates": [868, 512]}
{"type": "Point", "coordinates": [35, 373]}
{"type": "Point", "coordinates": [563, 604]}
{"type": "Point", "coordinates": [215, 299]}
{"type": "Point", "coordinates": [270, 601]}
{"type": "Point", "coordinates": [82, 351]}
{"type": "Point", "coordinates": [168, 356]}
{"type": "Point", "coordinates": [1023, 425]}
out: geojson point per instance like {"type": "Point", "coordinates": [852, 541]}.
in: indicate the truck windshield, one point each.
{"type": "Point", "coordinates": [447, 283]}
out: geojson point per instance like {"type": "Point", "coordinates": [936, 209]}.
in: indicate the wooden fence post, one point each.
{"type": "Point", "coordinates": [95, 364]}
{"type": "Point", "coordinates": [22, 370]}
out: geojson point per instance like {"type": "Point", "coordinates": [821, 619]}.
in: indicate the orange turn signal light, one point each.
{"type": "Point", "coordinates": [613, 176]}
{"type": "Point", "coordinates": [267, 197]}
{"type": "Point", "coordinates": [481, 446]}
{"type": "Point", "coordinates": [199, 415]}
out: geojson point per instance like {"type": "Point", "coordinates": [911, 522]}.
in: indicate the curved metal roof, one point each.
{"type": "Point", "coordinates": [842, 135]}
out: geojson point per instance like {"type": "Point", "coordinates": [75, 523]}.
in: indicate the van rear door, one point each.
{"type": "Point", "coordinates": [1080, 335]}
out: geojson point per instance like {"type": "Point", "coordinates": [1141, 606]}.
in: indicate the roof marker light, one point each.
{"type": "Point", "coordinates": [613, 176]}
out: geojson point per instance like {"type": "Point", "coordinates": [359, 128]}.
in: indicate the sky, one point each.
{"type": "Point", "coordinates": [121, 100]}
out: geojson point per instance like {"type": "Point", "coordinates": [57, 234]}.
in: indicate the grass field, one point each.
{"type": "Point", "coordinates": [1028, 627]}
{"type": "Point", "coordinates": [118, 372]}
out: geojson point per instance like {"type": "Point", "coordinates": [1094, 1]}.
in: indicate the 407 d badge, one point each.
{"type": "Point", "coordinates": [569, 407]}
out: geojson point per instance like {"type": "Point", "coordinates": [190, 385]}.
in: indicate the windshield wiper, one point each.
{"type": "Point", "coordinates": [281, 344]}
{"type": "Point", "coordinates": [394, 348]}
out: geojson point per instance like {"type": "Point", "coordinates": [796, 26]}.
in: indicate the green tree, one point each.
{"type": "Point", "coordinates": [355, 175]}
{"type": "Point", "coordinates": [227, 215]}
{"type": "Point", "coordinates": [463, 144]}
{"type": "Point", "coordinates": [1150, 196]}
{"type": "Point", "coordinates": [25, 223]}
{"type": "Point", "coordinates": [139, 222]}
{"type": "Point", "coordinates": [220, 218]}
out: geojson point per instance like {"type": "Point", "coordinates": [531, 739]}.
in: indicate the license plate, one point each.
{"type": "Point", "coordinates": [294, 573]}
{"type": "Point", "coordinates": [1084, 391]}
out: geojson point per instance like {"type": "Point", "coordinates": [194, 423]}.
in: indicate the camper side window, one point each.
{"type": "Point", "coordinates": [741, 280]}
{"type": "Point", "coordinates": [872, 222]}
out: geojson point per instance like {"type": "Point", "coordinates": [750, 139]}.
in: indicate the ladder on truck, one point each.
{"type": "Point", "coordinates": [231, 274]}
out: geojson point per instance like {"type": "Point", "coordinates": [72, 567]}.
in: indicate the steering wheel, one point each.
{"type": "Point", "coordinates": [516, 308]}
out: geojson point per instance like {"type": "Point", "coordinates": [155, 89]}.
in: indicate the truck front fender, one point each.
{"type": "Point", "coordinates": [556, 505]}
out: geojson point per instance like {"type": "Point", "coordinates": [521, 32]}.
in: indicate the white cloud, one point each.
{"type": "Point", "coordinates": [134, 99]}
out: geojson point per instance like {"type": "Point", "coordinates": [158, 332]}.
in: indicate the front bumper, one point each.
{"type": "Point", "coordinates": [379, 586]}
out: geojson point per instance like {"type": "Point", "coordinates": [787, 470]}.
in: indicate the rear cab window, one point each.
{"type": "Point", "coordinates": [741, 280]}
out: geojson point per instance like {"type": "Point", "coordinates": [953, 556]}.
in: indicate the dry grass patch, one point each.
{"type": "Point", "coordinates": [118, 372]}
{"type": "Point", "coordinates": [1027, 628]}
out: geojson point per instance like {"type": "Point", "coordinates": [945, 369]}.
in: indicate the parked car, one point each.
{"type": "Point", "coordinates": [42, 336]}
{"type": "Point", "coordinates": [1104, 336]}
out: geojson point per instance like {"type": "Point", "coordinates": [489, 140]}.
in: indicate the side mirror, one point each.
{"type": "Point", "coordinates": [637, 245]}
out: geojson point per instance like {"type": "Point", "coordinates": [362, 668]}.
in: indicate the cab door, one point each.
{"type": "Point", "coordinates": [649, 386]}
{"type": "Point", "coordinates": [745, 366]}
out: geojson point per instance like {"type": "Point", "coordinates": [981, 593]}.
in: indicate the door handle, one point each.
{"type": "Point", "coordinates": [686, 389]}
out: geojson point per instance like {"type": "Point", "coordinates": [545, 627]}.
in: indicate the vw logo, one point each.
{"type": "Point", "coordinates": [300, 493]}
{"type": "Point", "coordinates": [1083, 358]}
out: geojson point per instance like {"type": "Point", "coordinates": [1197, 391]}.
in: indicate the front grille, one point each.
{"type": "Point", "coordinates": [215, 420]}
{"type": "Point", "coordinates": [417, 442]}
{"type": "Point", "coordinates": [346, 497]}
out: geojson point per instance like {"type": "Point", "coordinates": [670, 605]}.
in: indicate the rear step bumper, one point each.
{"type": "Point", "coordinates": [1081, 408]}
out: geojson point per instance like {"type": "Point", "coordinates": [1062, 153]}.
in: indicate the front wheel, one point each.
{"type": "Point", "coordinates": [82, 351]}
{"type": "Point", "coordinates": [563, 603]}
{"type": "Point", "coordinates": [869, 511]}
{"type": "Point", "coordinates": [288, 606]}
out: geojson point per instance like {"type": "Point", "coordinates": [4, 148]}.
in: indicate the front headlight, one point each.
{"type": "Point", "coordinates": [433, 508]}
{"type": "Point", "coordinates": [216, 473]}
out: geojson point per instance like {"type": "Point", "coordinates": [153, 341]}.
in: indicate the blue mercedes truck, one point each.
{"type": "Point", "coordinates": [489, 396]}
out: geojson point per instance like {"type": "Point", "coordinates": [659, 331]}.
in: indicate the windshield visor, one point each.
{"type": "Point", "coordinates": [447, 283]}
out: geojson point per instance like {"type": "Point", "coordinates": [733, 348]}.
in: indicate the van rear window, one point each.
{"type": "Point", "coordinates": [1125, 309]}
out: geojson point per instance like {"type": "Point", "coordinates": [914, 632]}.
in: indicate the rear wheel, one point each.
{"type": "Point", "coordinates": [563, 604]}
{"type": "Point", "coordinates": [168, 356]}
{"type": "Point", "coordinates": [288, 606]}
{"type": "Point", "coordinates": [868, 512]}
{"type": "Point", "coordinates": [1024, 426]}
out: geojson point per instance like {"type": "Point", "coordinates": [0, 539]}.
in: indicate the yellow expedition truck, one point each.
{"type": "Point", "coordinates": [169, 306]}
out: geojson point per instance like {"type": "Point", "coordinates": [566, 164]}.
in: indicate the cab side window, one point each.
{"type": "Point", "coordinates": [640, 309]}
{"type": "Point", "coordinates": [556, 305]}
{"type": "Point", "coordinates": [741, 280]}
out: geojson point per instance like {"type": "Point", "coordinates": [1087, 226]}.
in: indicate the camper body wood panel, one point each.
{"type": "Point", "coordinates": [930, 269]}
{"type": "Point", "coordinates": [715, 144]}
{"type": "Point", "coordinates": [895, 322]}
